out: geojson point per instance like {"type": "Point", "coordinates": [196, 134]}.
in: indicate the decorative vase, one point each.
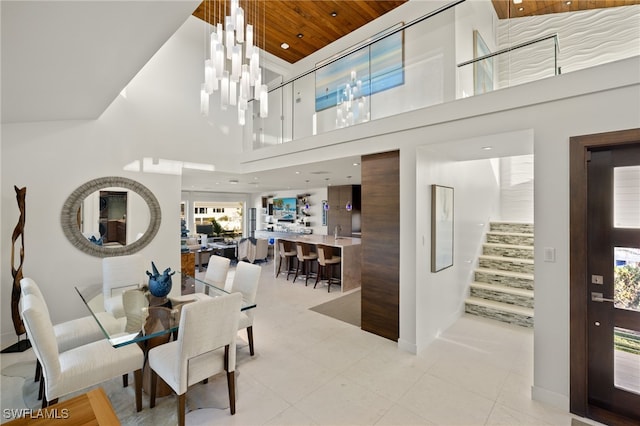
{"type": "Point", "coordinates": [159, 285]}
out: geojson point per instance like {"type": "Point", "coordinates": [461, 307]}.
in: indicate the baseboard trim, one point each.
{"type": "Point", "coordinates": [407, 346]}
{"type": "Point", "coordinates": [551, 398]}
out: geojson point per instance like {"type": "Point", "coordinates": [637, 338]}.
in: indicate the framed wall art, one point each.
{"type": "Point", "coordinates": [379, 67]}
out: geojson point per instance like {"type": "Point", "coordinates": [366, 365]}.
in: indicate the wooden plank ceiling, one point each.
{"type": "Point", "coordinates": [306, 25]}
{"type": "Point", "coordinates": [509, 9]}
{"type": "Point", "coordinates": [309, 25]}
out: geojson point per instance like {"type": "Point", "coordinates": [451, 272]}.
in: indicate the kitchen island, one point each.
{"type": "Point", "coordinates": [347, 248]}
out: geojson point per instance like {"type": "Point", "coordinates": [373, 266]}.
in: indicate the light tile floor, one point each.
{"type": "Point", "coordinates": [310, 369]}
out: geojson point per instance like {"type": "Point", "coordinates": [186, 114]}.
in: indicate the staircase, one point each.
{"type": "Point", "coordinates": [503, 282]}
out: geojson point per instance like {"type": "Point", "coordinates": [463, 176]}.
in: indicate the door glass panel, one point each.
{"type": "Point", "coordinates": [626, 293]}
{"type": "Point", "coordinates": [626, 197]}
{"type": "Point", "coordinates": [626, 359]}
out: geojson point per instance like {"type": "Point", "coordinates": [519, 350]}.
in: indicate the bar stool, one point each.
{"type": "Point", "coordinates": [287, 253]}
{"type": "Point", "coordinates": [305, 260]}
{"type": "Point", "coordinates": [326, 259]}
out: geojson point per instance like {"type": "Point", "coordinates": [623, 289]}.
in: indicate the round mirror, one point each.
{"type": "Point", "coordinates": [107, 217]}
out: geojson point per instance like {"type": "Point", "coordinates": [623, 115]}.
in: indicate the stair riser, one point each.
{"type": "Point", "coordinates": [515, 252]}
{"type": "Point", "coordinates": [506, 265]}
{"type": "Point", "coordinates": [523, 228]}
{"type": "Point", "coordinates": [484, 277]}
{"type": "Point", "coordinates": [499, 296]}
{"type": "Point", "coordinates": [511, 318]}
{"type": "Point", "coordinates": [517, 240]}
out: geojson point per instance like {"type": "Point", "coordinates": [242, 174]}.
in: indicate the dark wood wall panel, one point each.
{"type": "Point", "coordinates": [381, 244]}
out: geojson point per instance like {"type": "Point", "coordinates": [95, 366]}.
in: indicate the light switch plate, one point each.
{"type": "Point", "coordinates": [549, 254]}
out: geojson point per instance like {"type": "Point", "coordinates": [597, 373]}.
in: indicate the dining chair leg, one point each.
{"type": "Point", "coordinates": [125, 380]}
{"type": "Point", "coordinates": [231, 384]}
{"type": "Point", "coordinates": [182, 406]}
{"type": "Point", "coordinates": [250, 337]}
{"type": "Point", "coordinates": [226, 358]}
{"type": "Point", "coordinates": [41, 389]}
{"type": "Point", "coordinates": [137, 380]}
{"type": "Point", "coordinates": [152, 391]}
{"type": "Point", "coordinates": [38, 371]}
{"type": "Point", "coordinates": [46, 403]}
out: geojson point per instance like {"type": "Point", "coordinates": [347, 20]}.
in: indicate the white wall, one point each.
{"type": "Point", "coordinates": [470, 16]}
{"type": "Point", "coordinates": [516, 189]}
{"type": "Point", "coordinates": [586, 38]}
{"type": "Point", "coordinates": [31, 158]}
{"type": "Point", "coordinates": [440, 296]}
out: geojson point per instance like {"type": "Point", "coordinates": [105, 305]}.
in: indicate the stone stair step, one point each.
{"type": "Point", "coordinates": [518, 227]}
{"type": "Point", "coordinates": [515, 238]}
{"type": "Point", "coordinates": [506, 278]}
{"type": "Point", "coordinates": [506, 264]}
{"type": "Point", "coordinates": [508, 250]}
{"type": "Point", "coordinates": [501, 293]}
{"type": "Point", "coordinates": [499, 311]}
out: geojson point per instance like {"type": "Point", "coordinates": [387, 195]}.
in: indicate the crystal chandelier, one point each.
{"type": "Point", "coordinates": [352, 104]}
{"type": "Point", "coordinates": [232, 65]}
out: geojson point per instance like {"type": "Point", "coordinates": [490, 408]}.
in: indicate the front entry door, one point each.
{"type": "Point", "coordinates": [613, 280]}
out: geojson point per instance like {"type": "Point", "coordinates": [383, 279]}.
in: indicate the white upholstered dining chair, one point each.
{"type": "Point", "coordinates": [80, 367]}
{"type": "Point", "coordinates": [206, 346]}
{"type": "Point", "coordinates": [217, 271]}
{"type": "Point", "coordinates": [76, 332]}
{"type": "Point", "coordinates": [246, 281]}
{"type": "Point", "coordinates": [120, 273]}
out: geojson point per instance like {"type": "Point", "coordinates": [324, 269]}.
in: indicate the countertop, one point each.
{"type": "Point", "coordinates": [324, 239]}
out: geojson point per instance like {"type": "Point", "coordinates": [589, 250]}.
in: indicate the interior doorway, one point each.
{"type": "Point", "coordinates": [605, 277]}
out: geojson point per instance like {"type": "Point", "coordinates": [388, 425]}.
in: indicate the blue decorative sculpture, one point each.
{"type": "Point", "coordinates": [96, 241]}
{"type": "Point", "coordinates": [160, 285]}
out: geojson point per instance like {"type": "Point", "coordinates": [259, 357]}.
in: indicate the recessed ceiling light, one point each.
{"type": "Point", "coordinates": [297, 173]}
{"type": "Point", "coordinates": [521, 9]}
{"type": "Point", "coordinates": [284, 46]}
{"type": "Point", "coordinates": [334, 14]}
{"type": "Point", "coordinates": [300, 35]}
{"type": "Point", "coordinates": [356, 164]}
{"type": "Point", "coordinates": [567, 3]}
{"type": "Point", "coordinates": [487, 148]}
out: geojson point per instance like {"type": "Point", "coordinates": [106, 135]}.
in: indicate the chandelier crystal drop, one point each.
{"type": "Point", "coordinates": [352, 105]}
{"type": "Point", "coordinates": [232, 66]}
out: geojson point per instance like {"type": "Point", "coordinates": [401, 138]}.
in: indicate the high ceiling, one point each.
{"type": "Point", "coordinates": [306, 26]}
{"type": "Point", "coordinates": [309, 25]}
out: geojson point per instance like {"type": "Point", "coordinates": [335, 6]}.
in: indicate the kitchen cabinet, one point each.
{"type": "Point", "coordinates": [338, 198]}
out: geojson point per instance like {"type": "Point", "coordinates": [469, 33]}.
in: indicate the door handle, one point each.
{"type": "Point", "coordinates": [597, 297]}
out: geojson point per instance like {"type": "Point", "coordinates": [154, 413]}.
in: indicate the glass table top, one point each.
{"type": "Point", "coordinates": [142, 316]}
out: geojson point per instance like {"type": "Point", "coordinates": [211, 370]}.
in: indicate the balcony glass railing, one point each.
{"type": "Point", "coordinates": [511, 66]}
{"type": "Point", "coordinates": [436, 58]}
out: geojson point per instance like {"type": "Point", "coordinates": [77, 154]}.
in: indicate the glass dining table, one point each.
{"type": "Point", "coordinates": [146, 316]}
